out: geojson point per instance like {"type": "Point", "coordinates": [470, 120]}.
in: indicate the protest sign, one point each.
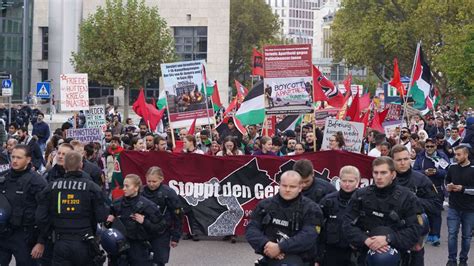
{"type": "Point", "coordinates": [390, 128]}
{"type": "Point", "coordinates": [394, 112]}
{"type": "Point", "coordinates": [95, 117]}
{"type": "Point", "coordinates": [85, 135]}
{"type": "Point", "coordinates": [221, 199]}
{"type": "Point", "coordinates": [321, 115]}
{"type": "Point", "coordinates": [74, 92]}
{"type": "Point", "coordinates": [185, 88]}
{"type": "Point", "coordinates": [353, 134]}
{"type": "Point", "coordinates": [287, 82]}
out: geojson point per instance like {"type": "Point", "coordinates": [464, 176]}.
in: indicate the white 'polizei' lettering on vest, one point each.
{"type": "Point", "coordinates": [378, 214]}
{"type": "Point", "coordinates": [280, 222]}
{"type": "Point", "coordinates": [69, 184]}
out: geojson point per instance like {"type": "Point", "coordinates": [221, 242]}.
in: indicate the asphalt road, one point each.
{"type": "Point", "coordinates": [214, 251]}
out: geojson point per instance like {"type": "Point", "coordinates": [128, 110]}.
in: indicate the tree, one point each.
{"type": "Point", "coordinates": [123, 44]}
{"type": "Point", "coordinates": [252, 24]}
{"type": "Point", "coordinates": [372, 33]}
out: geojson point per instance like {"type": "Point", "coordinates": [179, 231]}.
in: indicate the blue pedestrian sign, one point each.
{"type": "Point", "coordinates": [6, 84]}
{"type": "Point", "coordinates": [43, 90]}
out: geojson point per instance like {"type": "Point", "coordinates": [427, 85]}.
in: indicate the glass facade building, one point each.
{"type": "Point", "coordinates": [12, 50]}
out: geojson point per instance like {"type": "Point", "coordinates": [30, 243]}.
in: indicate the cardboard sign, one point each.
{"type": "Point", "coordinates": [353, 134]}
{"type": "Point", "coordinates": [74, 92]}
{"type": "Point", "coordinates": [184, 83]}
{"type": "Point", "coordinates": [287, 83]}
{"type": "Point", "coordinates": [95, 117]}
{"type": "Point", "coordinates": [321, 115]}
{"type": "Point", "coordinates": [85, 135]}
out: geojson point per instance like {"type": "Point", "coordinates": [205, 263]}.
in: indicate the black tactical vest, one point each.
{"type": "Point", "coordinates": [15, 191]}
{"type": "Point", "coordinates": [335, 208]}
{"type": "Point", "coordinates": [282, 223]}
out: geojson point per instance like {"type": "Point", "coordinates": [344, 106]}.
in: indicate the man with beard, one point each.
{"type": "Point", "coordinates": [111, 154]}
{"type": "Point", "coordinates": [438, 128]}
{"type": "Point", "coordinates": [117, 127]}
{"type": "Point", "coordinates": [423, 188]}
{"type": "Point", "coordinates": [149, 141]}
{"type": "Point", "coordinates": [41, 131]}
{"type": "Point", "coordinates": [36, 156]}
{"type": "Point", "coordinates": [453, 142]}
{"type": "Point", "coordinates": [405, 137]}
{"type": "Point", "coordinates": [143, 130]}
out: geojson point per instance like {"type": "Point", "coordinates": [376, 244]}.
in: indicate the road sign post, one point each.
{"type": "Point", "coordinates": [43, 91]}
{"type": "Point", "coordinates": [7, 90]}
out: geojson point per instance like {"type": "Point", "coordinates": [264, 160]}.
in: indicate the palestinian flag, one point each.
{"type": "Point", "coordinates": [207, 88]}
{"type": "Point", "coordinates": [216, 99]}
{"type": "Point", "coordinates": [289, 123]}
{"type": "Point", "coordinates": [252, 109]}
{"type": "Point", "coordinates": [161, 103]}
{"type": "Point", "coordinates": [421, 88]}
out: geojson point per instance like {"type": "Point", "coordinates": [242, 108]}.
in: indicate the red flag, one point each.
{"type": "Point", "coordinates": [378, 120]}
{"type": "Point", "coordinates": [318, 93]}
{"type": "Point", "coordinates": [364, 102]}
{"type": "Point", "coordinates": [154, 116]}
{"type": "Point", "coordinates": [193, 127]}
{"type": "Point", "coordinates": [353, 111]}
{"type": "Point", "coordinates": [139, 106]}
{"type": "Point", "coordinates": [323, 86]}
{"type": "Point", "coordinates": [216, 99]}
{"type": "Point", "coordinates": [257, 63]}
{"type": "Point", "coordinates": [232, 106]}
{"type": "Point", "coordinates": [396, 82]}
{"type": "Point", "coordinates": [241, 90]}
{"type": "Point", "coordinates": [270, 124]}
{"type": "Point", "coordinates": [342, 113]}
{"type": "Point", "coordinates": [365, 118]}
{"type": "Point", "coordinates": [347, 83]}
{"type": "Point", "coordinates": [239, 126]}
{"type": "Point", "coordinates": [179, 146]}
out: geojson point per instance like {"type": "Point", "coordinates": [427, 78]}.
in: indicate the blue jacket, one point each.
{"type": "Point", "coordinates": [423, 162]}
{"type": "Point", "coordinates": [41, 131]}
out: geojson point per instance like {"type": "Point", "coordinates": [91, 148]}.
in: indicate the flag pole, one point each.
{"type": "Point", "coordinates": [301, 128]}
{"type": "Point", "coordinates": [313, 119]}
{"type": "Point", "coordinates": [169, 121]}
{"type": "Point", "coordinates": [405, 113]}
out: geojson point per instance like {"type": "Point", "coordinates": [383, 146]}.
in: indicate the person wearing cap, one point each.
{"type": "Point", "coordinates": [434, 164]}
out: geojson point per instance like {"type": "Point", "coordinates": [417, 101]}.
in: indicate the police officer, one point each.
{"type": "Point", "coordinates": [336, 248]}
{"type": "Point", "coordinates": [285, 227]}
{"type": "Point", "coordinates": [422, 187]}
{"type": "Point", "coordinates": [18, 187]}
{"type": "Point", "coordinates": [138, 219]}
{"type": "Point", "coordinates": [169, 204]}
{"type": "Point", "coordinates": [58, 171]}
{"type": "Point", "coordinates": [71, 206]}
{"type": "Point", "coordinates": [383, 215]}
{"type": "Point", "coordinates": [313, 188]}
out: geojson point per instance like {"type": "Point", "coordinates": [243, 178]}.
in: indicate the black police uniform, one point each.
{"type": "Point", "coordinates": [138, 235]}
{"type": "Point", "coordinates": [428, 198]}
{"type": "Point", "coordinates": [336, 247]}
{"type": "Point", "coordinates": [318, 189]}
{"type": "Point", "coordinates": [170, 207]}
{"type": "Point", "coordinates": [18, 189]}
{"type": "Point", "coordinates": [71, 206]}
{"type": "Point", "coordinates": [58, 171]}
{"type": "Point", "coordinates": [293, 224]}
{"type": "Point", "coordinates": [393, 206]}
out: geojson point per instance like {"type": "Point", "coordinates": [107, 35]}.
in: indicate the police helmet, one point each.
{"type": "Point", "coordinates": [390, 258]}
{"type": "Point", "coordinates": [113, 242]}
{"type": "Point", "coordinates": [4, 215]}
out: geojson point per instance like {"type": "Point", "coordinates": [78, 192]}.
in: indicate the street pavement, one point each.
{"type": "Point", "coordinates": [214, 251]}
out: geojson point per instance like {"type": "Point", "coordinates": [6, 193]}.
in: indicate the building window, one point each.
{"type": "Point", "coordinates": [44, 74]}
{"type": "Point", "coordinates": [283, 13]}
{"type": "Point", "coordinates": [44, 43]}
{"type": "Point", "coordinates": [191, 43]}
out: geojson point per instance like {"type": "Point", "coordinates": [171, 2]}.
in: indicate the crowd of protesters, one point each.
{"type": "Point", "coordinates": [430, 140]}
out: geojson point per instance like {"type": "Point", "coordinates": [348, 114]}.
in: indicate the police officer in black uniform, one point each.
{"type": "Point", "coordinates": [336, 248]}
{"type": "Point", "coordinates": [58, 171]}
{"type": "Point", "coordinates": [313, 188]}
{"type": "Point", "coordinates": [138, 219]}
{"type": "Point", "coordinates": [20, 237]}
{"type": "Point", "coordinates": [70, 207]}
{"type": "Point", "coordinates": [382, 215]}
{"type": "Point", "coordinates": [169, 204]}
{"type": "Point", "coordinates": [424, 190]}
{"type": "Point", "coordinates": [285, 227]}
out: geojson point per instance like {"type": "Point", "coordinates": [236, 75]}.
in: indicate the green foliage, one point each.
{"type": "Point", "coordinates": [252, 24]}
{"type": "Point", "coordinates": [123, 44]}
{"type": "Point", "coordinates": [372, 33]}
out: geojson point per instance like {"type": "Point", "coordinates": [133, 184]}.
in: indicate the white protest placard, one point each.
{"type": "Point", "coordinates": [95, 117]}
{"type": "Point", "coordinates": [85, 135]}
{"type": "Point", "coordinates": [74, 92]}
{"type": "Point", "coordinates": [353, 134]}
